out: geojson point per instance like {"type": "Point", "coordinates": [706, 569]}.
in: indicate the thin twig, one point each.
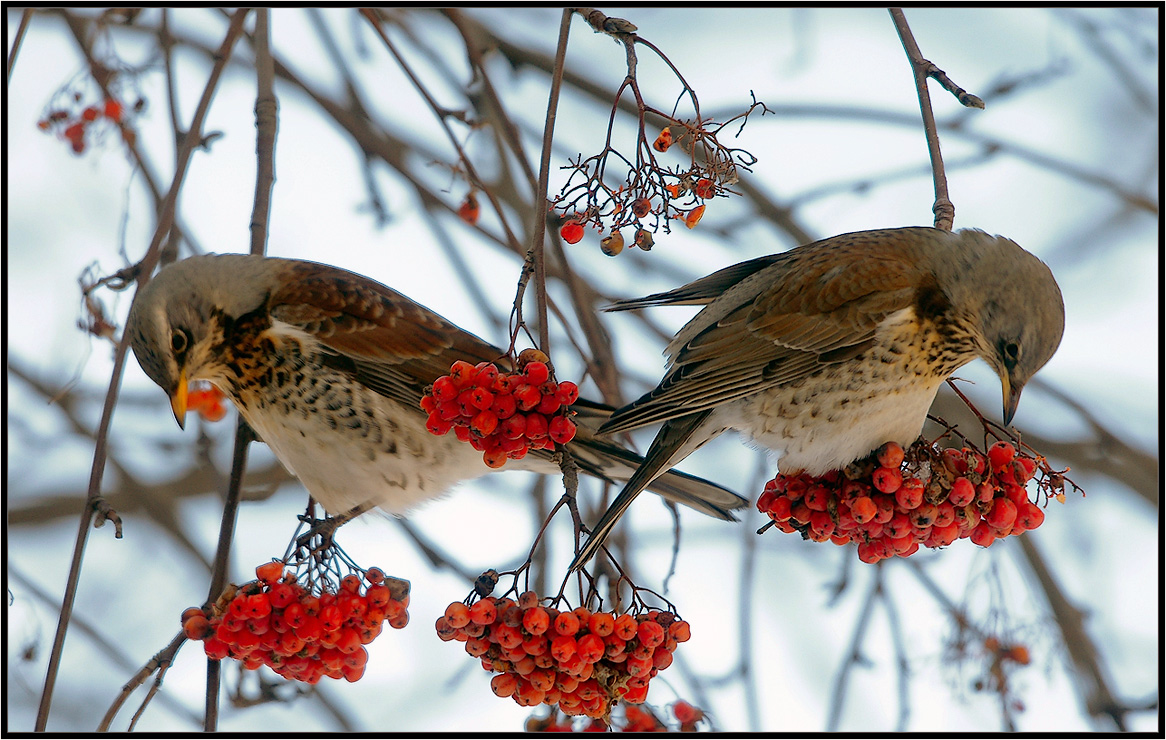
{"type": "Point", "coordinates": [853, 652]}
{"type": "Point", "coordinates": [25, 18]}
{"type": "Point", "coordinates": [441, 115]}
{"type": "Point", "coordinates": [266, 127]}
{"type": "Point", "coordinates": [539, 229]}
{"type": "Point", "coordinates": [243, 437]}
{"type": "Point", "coordinates": [943, 209]}
{"type": "Point", "coordinates": [903, 667]}
{"type": "Point", "coordinates": [1092, 682]}
{"type": "Point", "coordinates": [159, 662]}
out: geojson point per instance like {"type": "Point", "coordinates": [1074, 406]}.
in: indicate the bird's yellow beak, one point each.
{"type": "Point", "coordinates": [178, 400]}
{"type": "Point", "coordinates": [1011, 398]}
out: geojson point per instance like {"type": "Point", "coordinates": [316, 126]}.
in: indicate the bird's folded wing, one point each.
{"type": "Point", "coordinates": [817, 306]}
{"type": "Point", "coordinates": [393, 344]}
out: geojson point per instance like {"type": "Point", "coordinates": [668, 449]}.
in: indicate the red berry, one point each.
{"type": "Point", "coordinates": [537, 373]}
{"type": "Point", "coordinates": [566, 623]}
{"type": "Point", "coordinates": [601, 624]}
{"type": "Point", "coordinates": [504, 405]}
{"type": "Point", "coordinates": [484, 423]}
{"type": "Point", "coordinates": [483, 612]}
{"type": "Point", "coordinates": [1030, 516]}
{"type": "Point", "coordinates": [548, 405]}
{"type": "Point", "coordinates": [561, 430]}
{"type": "Point", "coordinates": [462, 373]}
{"type": "Point", "coordinates": [923, 515]}
{"type": "Point", "coordinates": [821, 524]}
{"type": "Point", "coordinates": [890, 455]}
{"type": "Point", "coordinates": [197, 627]}
{"type": "Point", "coordinates": [469, 210]}
{"type": "Point", "coordinates": [563, 647]}
{"type": "Point", "coordinates": [330, 618]}
{"type": "Point", "coordinates": [567, 393]}
{"type": "Point", "coordinates": [113, 109]}
{"type": "Point", "coordinates": [651, 634]}
{"type": "Point", "coordinates": [625, 626]}
{"type": "Point", "coordinates": [663, 141]}
{"type": "Point", "coordinates": [1003, 513]}
{"type": "Point", "coordinates": [89, 114]}
{"type": "Point", "coordinates": [962, 492]}
{"type": "Point", "coordinates": [571, 232]}
{"type": "Point", "coordinates": [457, 615]}
{"type": "Point", "coordinates": [693, 217]}
{"type": "Point", "coordinates": [1024, 468]}
{"type": "Point", "coordinates": [536, 426]}
{"type": "Point", "coordinates": [983, 534]}
{"type": "Point", "coordinates": [481, 398]}
{"type": "Point", "coordinates": [816, 498]}
{"type": "Point", "coordinates": [898, 526]}
{"type": "Point", "coordinates": [1000, 454]}
{"type": "Point", "coordinates": [909, 494]}
{"type": "Point", "coordinates": [444, 389]}
{"type": "Point", "coordinates": [887, 479]}
{"type": "Point", "coordinates": [685, 713]}
{"type": "Point", "coordinates": [863, 509]}
{"type": "Point", "coordinates": [536, 621]}
{"type": "Point", "coordinates": [704, 188]}
{"type": "Point", "coordinates": [641, 207]}
{"type": "Point", "coordinates": [504, 684]}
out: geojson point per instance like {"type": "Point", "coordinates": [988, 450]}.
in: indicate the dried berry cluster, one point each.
{"type": "Point", "coordinates": [890, 506]}
{"type": "Point", "coordinates": [502, 415]}
{"type": "Point", "coordinates": [652, 194]}
{"type": "Point", "coordinates": [276, 622]}
{"type": "Point", "coordinates": [73, 126]}
{"type": "Point", "coordinates": [631, 207]}
{"type": "Point", "coordinates": [635, 719]}
{"type": "Point", "coordinates": [579, 661]}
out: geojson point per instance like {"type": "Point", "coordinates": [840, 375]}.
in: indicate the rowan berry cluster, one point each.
{"type": "Point", "coordinates": [208, 402]}
{"type": "Point", "coordinates": [636, 718]}
{"type": "Point", "coordinates": [581, 662]}
{"type": "Point", "coordinates": [632, 208]}
{"type": "Point", "coordinates": [72, 126]}
{"type": "Point", "coordinates": [889, 505]}
{"type": "Point", "coordinates": [502, 415]}
{"type": "Point", "coordinates": [301, 635]}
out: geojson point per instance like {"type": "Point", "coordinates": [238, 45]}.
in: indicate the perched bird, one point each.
{"type": "Point", "coordinates": [825, 352]}
{"type": "Point", "coordinates": [328, 367]}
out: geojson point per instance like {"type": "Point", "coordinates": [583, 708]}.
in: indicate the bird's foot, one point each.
{"type": "Point", "coordinates": [321, 532]}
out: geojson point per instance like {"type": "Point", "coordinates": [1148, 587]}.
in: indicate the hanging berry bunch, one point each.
{"type": "Point", "coordinates": [674, 166]}
{"type": "Point", "coordinates": [652, 193]}
{"type": "Point", "coordinates": [891, 503]}
{"type": "Point", "coordinates": [81, 113]}
{"type": "Point", "coordinates": [581, 662]}
{"type": "Point", "coordinates": [502, 415]}
{"type": "Point", "coordinates": [301, 618]}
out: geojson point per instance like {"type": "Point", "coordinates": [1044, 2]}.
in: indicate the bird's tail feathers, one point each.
{"type": "Point", "coordinates": [675, 441]}
{"type": "Point", "coordinates": [699, 292]}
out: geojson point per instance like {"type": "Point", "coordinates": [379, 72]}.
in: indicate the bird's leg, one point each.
{"type": "Point", "coordinates": [325, 528]}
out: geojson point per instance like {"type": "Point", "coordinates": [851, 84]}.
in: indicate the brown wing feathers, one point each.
{"type": "Point", "coordinates": [810, 309]}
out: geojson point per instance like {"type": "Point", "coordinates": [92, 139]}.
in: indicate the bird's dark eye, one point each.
{"type": "Point", "coordinates": [1012, 352]}
{"type": "Point", "coordinates": [179, 341]}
